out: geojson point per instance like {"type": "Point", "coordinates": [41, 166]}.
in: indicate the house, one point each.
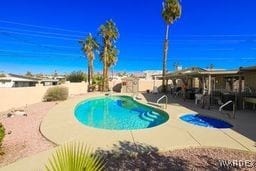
{"type": "Point", "coordinates": [150, 74]}
{"type": "Point", "coordinates": [49, 82]}
{"type": "Point", "coordinates": [13, 80]}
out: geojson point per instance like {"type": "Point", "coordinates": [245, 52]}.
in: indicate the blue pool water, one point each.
{"type": "Point", "coordinates": [118, 113]}
{"type": "Point", "coordinates": [205, 121]}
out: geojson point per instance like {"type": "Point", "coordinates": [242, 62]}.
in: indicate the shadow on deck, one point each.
{"type": "Point", "coordinates": [130, 156]}
{"type": "Point", "coordinates": [244, 123]}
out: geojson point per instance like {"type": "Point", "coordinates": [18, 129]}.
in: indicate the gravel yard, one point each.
{"type": "Point", "coordinates": [23, 137]}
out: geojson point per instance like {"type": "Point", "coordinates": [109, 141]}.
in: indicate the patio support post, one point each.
{"type": "Point", "coordinates": [240, 93]}
{"type": "Point", "coordinates": [209, 84]}
{"type": "Point", "coordinates": [209, 90]}
{"type": "Point", "coordinates": [203, 85]}
{"type": "Point", "coordinates": [240, 85]}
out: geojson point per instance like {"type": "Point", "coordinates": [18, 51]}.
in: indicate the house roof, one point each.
{"type": "Point", "coordinates": [17, 78]}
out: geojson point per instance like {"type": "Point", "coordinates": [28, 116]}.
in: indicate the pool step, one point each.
{"type": "Point", "coordinates": [149, 116]}
{"type": "Point", "coordinates": [153, 115]}
{"type": "Point", "coordinates": [156, 104]}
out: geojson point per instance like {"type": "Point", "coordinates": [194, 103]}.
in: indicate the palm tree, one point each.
{"type": "Point", "coordinates": [89, 46]}
{"type": "Point", "coordinates": [171, 12]}
{"type": "Point", "coordinates": [109, 33]}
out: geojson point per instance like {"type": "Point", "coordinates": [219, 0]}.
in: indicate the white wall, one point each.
{"type": "Point", "coordinates": [5, 84]}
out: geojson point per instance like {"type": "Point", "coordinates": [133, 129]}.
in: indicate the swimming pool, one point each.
{"type": "Point", "coordinates": [118, 113]}
{"type": "Point", "coordinates": [205, 121]}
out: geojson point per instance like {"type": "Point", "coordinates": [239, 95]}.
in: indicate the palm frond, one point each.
{"type": "Point", "coordinates": [171, 11]}
{"type": "Point", "coordinates": [74, 157]}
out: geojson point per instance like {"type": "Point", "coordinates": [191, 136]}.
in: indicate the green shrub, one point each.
{"type": "Point", "coordinates": [76, 76]}
{"type": "Point", "coordinates": [56, 93]}
{"type": "Point", "coordinates": [2, 133]}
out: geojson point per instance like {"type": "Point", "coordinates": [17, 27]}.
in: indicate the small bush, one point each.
{"type": "Point", "coordinates": [76, 76]}
{"type": "Point", "coordinates": [2, 133]}
{"type": "Point", "coordinates": [56, 93]}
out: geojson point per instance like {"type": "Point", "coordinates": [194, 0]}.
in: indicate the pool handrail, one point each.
{"type": "Point", "coordinates": [225, 104]}
{"type": "Point", "coordinates": [166, 100]}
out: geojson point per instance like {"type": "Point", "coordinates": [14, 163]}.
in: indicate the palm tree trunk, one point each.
{"type": "Point", "coordinates": [104, 68]}
{"type": "Point", "coordinates": [91, 71]}
{"type": "Point", "coordinates": [107, 84]}
{"type": "Point", "coordinates": [165, 57]}
{"type": "Point", "coordinates": [88, 74]}
{"type": "Point", "coordinates": [105, 79]}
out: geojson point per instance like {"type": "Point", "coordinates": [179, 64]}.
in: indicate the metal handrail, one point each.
{"type": "Point", "coordinates": [225, 104]}
{"type": "Point", "coordinates": [166, 101]}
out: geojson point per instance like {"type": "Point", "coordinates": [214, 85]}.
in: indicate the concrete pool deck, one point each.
{"type": "Point", "coordinates": [60, 126]}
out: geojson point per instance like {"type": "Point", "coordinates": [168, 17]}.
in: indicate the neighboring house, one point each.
{"type": "Point", "coordinates": [61, 79]}
{"type": "Point", "coordinates": [149, 74]}
{"type": "Point", "coordinates": [140, 75]}
{"type": "Point", "coordinates": [49, 82]}
{"type": "Point", "coordinates": [12, 80]}
{"type": "Point", "coordinates": [116, 78]}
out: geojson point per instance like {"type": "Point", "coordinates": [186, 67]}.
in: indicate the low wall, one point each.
{"type": "Point", "coordinates": [145, 85]}
{"type": "Point", "coordinates": [22, 96]}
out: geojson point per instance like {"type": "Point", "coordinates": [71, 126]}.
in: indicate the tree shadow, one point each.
{"type": "Point", "coordinates": [129, 156]}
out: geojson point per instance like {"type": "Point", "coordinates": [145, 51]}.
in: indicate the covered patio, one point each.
{"type": "Point", "coordinates": [211, 87]}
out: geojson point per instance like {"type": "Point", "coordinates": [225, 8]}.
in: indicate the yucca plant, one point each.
{"type": "Point", "coordinates": [74, 157]}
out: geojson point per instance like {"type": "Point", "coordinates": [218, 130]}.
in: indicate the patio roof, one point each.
{"type": "Point", "coordinates": [196, 72]}
{"type": "Point", "coordinates": [251, 68]}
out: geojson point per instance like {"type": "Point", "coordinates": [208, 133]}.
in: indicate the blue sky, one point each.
{"type": "Point", "coordinates": [42, 36]}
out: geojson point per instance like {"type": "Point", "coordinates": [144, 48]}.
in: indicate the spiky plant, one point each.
{"type": "Point", "coordinates": [74, 157]}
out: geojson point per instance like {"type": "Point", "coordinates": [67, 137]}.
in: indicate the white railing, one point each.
{"type": "Point", "coordinates": [225, 104]}
{"type": "Point", "coordinates": [166, 100]}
